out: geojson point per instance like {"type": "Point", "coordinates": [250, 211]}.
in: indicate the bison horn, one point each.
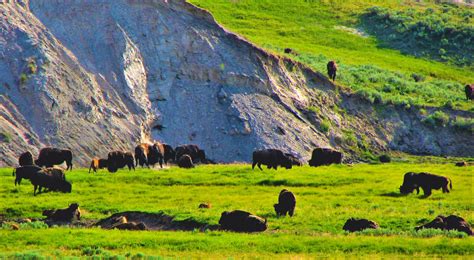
{"type": "Point", "coordinates": [265, 221]}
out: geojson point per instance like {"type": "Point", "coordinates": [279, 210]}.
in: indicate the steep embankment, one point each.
{"type": "Point", "coordinates": [94, 77]}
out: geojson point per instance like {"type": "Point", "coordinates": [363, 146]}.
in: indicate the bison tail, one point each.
{"type": "Point", "coordinates": [450, 184]}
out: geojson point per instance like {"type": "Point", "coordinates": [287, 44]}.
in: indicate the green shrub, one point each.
{"type": "Point", "coordinates": [438, 118]}
{"type": "Point", "coordinates": [5, 137]}
{"type": "Point", "coordinates": [23, 78]}
{"type": "Point", "coordinates": [466, 124]}
{"type": "Point", "coordinates": [325, 126]}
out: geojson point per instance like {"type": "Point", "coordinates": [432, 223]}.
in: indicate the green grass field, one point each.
{"type": "Point", "coordinates": [326, 197]}
{"type": "Point", "coordinates": [327, 30]}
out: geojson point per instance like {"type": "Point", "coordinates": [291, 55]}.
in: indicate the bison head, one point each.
{"type": "Point", "coordinates": [202, 156]}
{"type": "Point", "coordinates": [277, 208]}
{"type": "Point", "coordinates": [256, 224]}
{"type": "Point", "coordinates": [406, 189]}
{"type": "Point", "coordinates": [65, 187]}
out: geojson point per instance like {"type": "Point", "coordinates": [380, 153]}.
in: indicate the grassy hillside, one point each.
{"type": "Point", "coordinates": [326, 197]}
{"type": "Point", "coordinates": [322, 30]}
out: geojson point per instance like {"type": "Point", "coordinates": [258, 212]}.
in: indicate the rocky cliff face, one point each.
{"type": "Point", "coordinates": [95, 76]}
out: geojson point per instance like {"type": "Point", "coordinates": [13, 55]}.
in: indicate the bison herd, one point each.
{"type": "Point", "coordinates": [45, 176]}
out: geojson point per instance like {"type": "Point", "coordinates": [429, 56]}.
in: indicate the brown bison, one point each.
{"type": "Point", "coordinates": [469, 89]}
{"type": "Point", "coordinates": [426, 181]}
{"type": "Point", "coordinates": [272, 158]}
{"type": "Point", "coordinates": [141, 154]}
{"type": "Point", "coordinates": [353, 225]}
{"type": "Point", "coordinates": [185, 161]}
{"type": "Point", "coordinates": [52, 156]}
{"type": "Point", "coordinates": [451, 222]}
{"type": "Point", "coordinates": [26, 158]}
{"type": "Point", "coordinates": [325, 156]}
{"type": "Point", "coordinates": [49, 181]}
{"type": "Point", "coordinates": [286, 203]}
{"type": "Point", "coordinates": [118, 159]}
{"type": "Point", "coordinates": [197, 154]}
{"type": "Point", "coordinates": [242, 221]}
{"type": "Point", "coordinates": [332, 69]}
{"type": "Point", "coordinates": [25, 172]}
{"type": "Point", "coordinates": [97, 163]}
{"type": "Point", "coordinates": [63, 215]}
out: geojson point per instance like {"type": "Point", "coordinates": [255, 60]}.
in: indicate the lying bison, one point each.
{"type": "Point", "coordinates": [97, 164]}
{"type": "Point", "coordinates": [325, 156]}
{"type": "Point", "coordinates": [141, 154]}
{"type": "Point", "coordinates": [242, 221]}
{"type": "Point", "coordinates": [354, 225]}
{"type": "Point", "coordinates": [469, 89]}
{"type": "Point", "coordinates": [451, 222]}
{"type": "Point", "coordinates": [332, 69]}
{"type": "Point", "coordinates": [272, 158]}
{"type": "Point", "coordinates": [197, 154]}
{"type": "Point", "coordinates": [52, 156]}
{"type": "Point", "coordinates": [26, 158]}
{"type": "Point", "coordinates": [25, 172]}
{"type": "Point", "coordinates": [286, 203]}
{"type": "Point", "coordinates": [49, 181]}
{"type": "Point", "coordinates": [118, 159]}
{"type": "Point", "coordinates": [427, 181]}
{"type": "Point", "coordinates": [185, 161]}
{"type": "Point", "coordinates": [64, 215]}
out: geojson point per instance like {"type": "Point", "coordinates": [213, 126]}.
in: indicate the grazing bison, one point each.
{"type": "Point", "coordinates": [294, 160]}
{"type": "Point", "coordinates": [142, 152]}
{"type": "Point", "coordinates": [26, 158]}
{"type": "Point", "coordinates": [185, 161]}
{"type": "Point", "coordinates": [286, 203]}
{"type": "Point", "coordinates": [118, 159]}
{"type": "Point", "coordinates": [25, 172]}
{"type": "Point", "coordinates": [469, 89]}
{"type": "Point", "coordinates": [97, 163]}
{"type": "Point", "coordinates": [325, 156]}
{"type": "Point", "coordinates": [52, 156]}
{"type": "Point", "coordinates": [49, 181]}
{"type": "Point", "coordinates": [197, 154]}
{"type": "Point", "coordinates": [332, 69]}
{"type": "Point", "coordinates": [426, 181]}
{"type": "Point", "coordinates": [64, 215]}
{"type": "Point", "coordinates": [353, 225]}
{"type": "Point", "coordinates": [461, 164]}
{"type": "Point", "coordinates": [242, 221]}
{"type": "Point", "coordinates": [170, 154]}
{"type": "Point", "coordinates": [451, 222]}
{"type": "Point", "coordinates": [272, 158]}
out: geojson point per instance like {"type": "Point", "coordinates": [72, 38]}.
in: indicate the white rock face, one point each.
{"type": "Point", "coordinates": [96, 76]}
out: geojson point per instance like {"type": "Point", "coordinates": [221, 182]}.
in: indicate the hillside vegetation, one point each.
{"type": "Point", "coordinates": [326, 198]}
{"type": "Point", "coordinates": [319, 31]}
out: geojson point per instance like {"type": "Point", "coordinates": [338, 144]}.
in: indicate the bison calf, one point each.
{"type": "Point", "coordinates": [242, 221]}
{"type": "Point", "coordinates": [97, 164]}
{"type": "Point", "coordinates": [286, 203]}
{"type": "Point", "coordinates": [427, 181]}
{"type": "Point", "coordinates": [353, 225]}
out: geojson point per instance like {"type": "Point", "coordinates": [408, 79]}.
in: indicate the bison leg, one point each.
{"type": "Point", "coordinates": [260, 166]}
{"type": "Point", "coordinates": [253, 165]}
{"type": "Point", "coordinates": [291, 212]}
{"type": "Point", "coordinates": [34, 191]}
{"type": "Point", "coordinates": [426, 191]}
{"type": "Point", "coordinates": [275, 167]}
{"type": "Point", "coordinates": [445, 189]}
{"type": "Point", "coordinates": [417, 190]}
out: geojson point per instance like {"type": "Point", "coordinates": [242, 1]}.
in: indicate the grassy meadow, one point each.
{"type": "Point", "coordinates": [326, 197]}
{"type": "Point", "coordinates": [324, 30]}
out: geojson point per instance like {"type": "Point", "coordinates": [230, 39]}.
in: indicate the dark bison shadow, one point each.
{"type": "Point", "coordinates": [393, 194]}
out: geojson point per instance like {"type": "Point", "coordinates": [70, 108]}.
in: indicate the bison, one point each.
{"type": "Point", "coordinates": [325, 156]}
{"type": "Point", "coordinates": [64, 215]}
{"type": "Point", "coordinates": [118, 159]}
{"type": "Point", "coordinates": [97, 163]}
{"type": "Point", "coordinates": [469, 89]}
{"type": "Point", "coordinates": [272, 158]}
{"type": "Point", "coordinates": [185, 161]}
{"type": "Point", "coordinates": [426, 181]}
{"type": "Point", "coordinates": [49, 181]}
{"type": "Point", "coordinates": [451, 222]}
{"type": "Point", "coordinates": [26, 158]}
{"type": "Point", "coordinates": [332, 69]}
{"type": "Point", "coordinates": [205, 205]}
{"type": "Point", "coordinates": [170, 154]}
{"type": "Point", "coordinates": [461, 164]}
{"type": "Point", "coordinates": [53, 156]}
{"type": "Point", "coordinates": [353, 225]}
{"type": "Point", "coordinates": [141, 154]}
{"type": "Point", "coordinates": [157, 154]}
{"type": "Point", "coordinates": [197, 154]}
{"type": "Point", "coordinates": [286, 203]}
{"type": "Point", "coordinates": [242, 221]}
{"type": "Point", "coordinates": [25, 172]}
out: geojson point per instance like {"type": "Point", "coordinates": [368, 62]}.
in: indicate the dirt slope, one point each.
{"type": "Point", "coordinates": [94, 76]}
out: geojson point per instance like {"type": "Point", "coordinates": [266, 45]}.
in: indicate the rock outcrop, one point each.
{"type": "Point", "coordinates": [96, 76]}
